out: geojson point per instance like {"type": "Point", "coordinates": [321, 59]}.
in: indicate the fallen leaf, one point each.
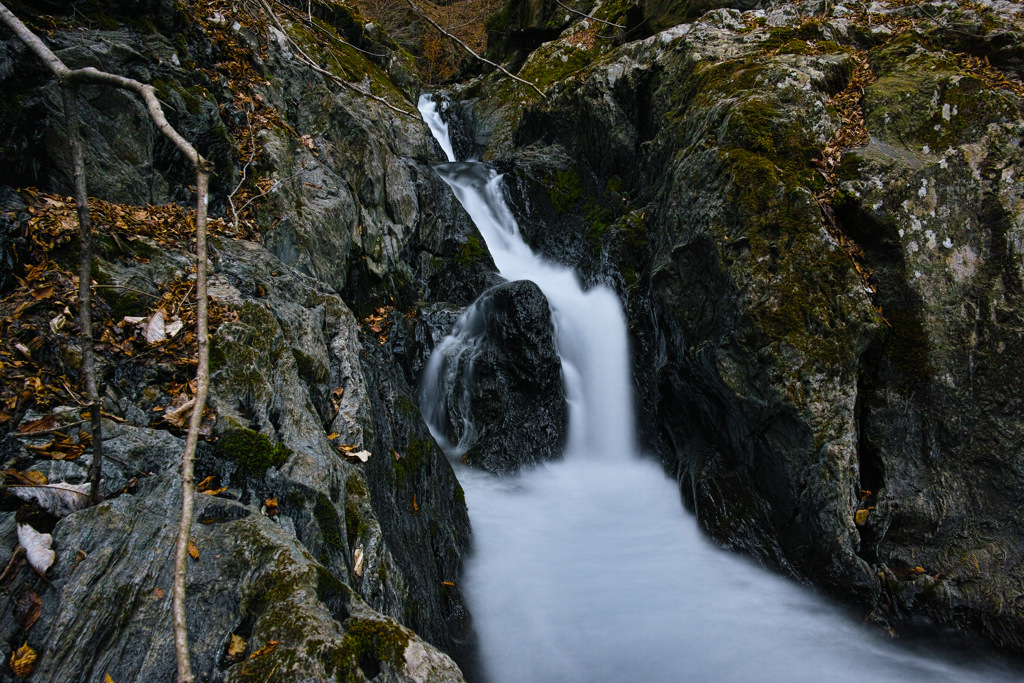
{"type": "Point", "coordinates": [860, 517]}
{"type": "Point", "coordinates": [236, 648]}
{"type": "Point", "coordinates": [193, 551]}
{"type": "Point", "coordinates": [60, 500]}
{"type": "Point", "coordinates": [357, 561]}
{"type": "Point", "coordinates": [27, 608]}
{"type": "Point", "coordinates": [204, 484]}
{"type": "Point", "coordinates": [37, 548]}
{"type": "Point", "coordinates": [158, 593]}
{"type": "Point", "coordinates": [918, 570]}
{"type": "Point", "coordinates": [23, 660]}
{"type": "Point", "coordinates": [41, 425]}
{"type": "Point", "coordinates": [415, 505]}
{"type": "Point", "coordinates": [57, 323]}
{"type": "Point", "coordinates": [107, 679]}
{"type": "Point", "coordinates": [333, 435]}
{"type": "Point", "coordinates": [266, 649]}
{"type": "Point", "coordinates": [26, 478]}
{"type": "Point", "coordinates": [361, 456]}
{"type": "Point", "coordinates": [155, 329]}
{"type": "Point", "coordinates": [447, 583]}
{"type": "Point", "coordinates": [271, 507]}
{"type": "Point", "coordinates": [174, 327]}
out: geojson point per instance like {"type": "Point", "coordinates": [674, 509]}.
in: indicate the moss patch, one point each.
{"type": "Point", "coordinates": [253, 452]}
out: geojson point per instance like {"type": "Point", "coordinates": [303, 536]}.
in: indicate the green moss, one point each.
{"type": "Point", "coordinates": [327, 519]}
{"type": "Point", "coordinates": [308, 368]}
{"type": "Point", "coordinates": [412, 460]}
{"type": "Point", "coordinates": [407, 407]}
{"type": "Point", "coordinates": [470, 253]}
{"type": "Point", "coordinates": [460, 495]}
{"type": "Point", "coordinates": [355, 493]}
{"type": "Point", "coordinates": [367, 643]}
{"type": "Point", "coordinates": [564, 189]}
{"type": "Point", "coordinates": [253, 452]}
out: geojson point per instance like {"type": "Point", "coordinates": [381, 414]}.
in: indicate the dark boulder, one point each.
{"type": "Point", "coordinates": [501, 380]}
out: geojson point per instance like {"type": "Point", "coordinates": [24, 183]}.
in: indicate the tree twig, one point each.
{"type": "Point", "coordinates": [468, 49]}
{"type": "Point", "coordinates": [66, 77]}
{"type": "Point", "coordinates": [311, 63]}
{"type": "Point", "coordinates": [589, 16]}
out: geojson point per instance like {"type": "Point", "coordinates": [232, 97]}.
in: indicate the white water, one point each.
{"type": "Point", "coordinates": [588, 569]}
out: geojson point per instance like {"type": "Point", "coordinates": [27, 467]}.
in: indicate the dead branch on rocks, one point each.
{"type": "Point", "coordinates": [68, 80]}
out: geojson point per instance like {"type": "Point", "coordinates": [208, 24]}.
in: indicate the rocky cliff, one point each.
{"type": "Point", "coordinates": [813, 213]}
{"type": "Point", "coordinates": [330, 539]}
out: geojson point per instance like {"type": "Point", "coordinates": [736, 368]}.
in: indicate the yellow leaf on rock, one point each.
{"type": "Point", "coordinates": [23, 660]}
{"type": "Point", "coordinates": [236, 648]}
{"type": "Point", "coordinates": [860, 518]}
{"type": "Point", "coordinates": [107, 679]}
{"type": "Point", "coordinates": [192, 549]}
{"type": "Point", "coordinates": [266, 649]}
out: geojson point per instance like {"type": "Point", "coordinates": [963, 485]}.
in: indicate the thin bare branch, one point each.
{"type": "Point", "coordinates": [468, 49]}
{"type": "Point", "coordinates": [192, 440]}
{"type": "Point", "coordinates": [311, 63]}
{"type": "Point", "coordinates": [588, 16]}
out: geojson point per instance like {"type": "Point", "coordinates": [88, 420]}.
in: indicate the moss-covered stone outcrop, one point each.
{"type": "Point", "coordinates": [821, 358]}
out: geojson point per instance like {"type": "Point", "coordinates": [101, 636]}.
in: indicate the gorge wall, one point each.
{"type": "Point", "coordinates": [813, 212]}
{"type": "Point", "coordinates": [814, 215]}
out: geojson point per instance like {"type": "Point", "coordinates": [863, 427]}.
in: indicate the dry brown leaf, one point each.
{"type": "Point", "coordinates": [193, 550]}
{"type": "Point", "coordinates": [158, 593]}
{"type": "Point", "coordinates": [27, 608]}
{"type": "Point", "coordinates": [23, 660]}
{"type": "Point", "coordinates": [271, 507]}
{"type": "Point", "coordinates": [41, 425]}
{"type": "Point", "coordinates": [266, 649]}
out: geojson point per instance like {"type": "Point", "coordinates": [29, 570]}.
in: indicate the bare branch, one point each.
{"type": "Point", "coordinates": [70, 93]}
{"type": "Point", "coordinates": [320, 70]}
{"type": "Point", "coordinates": [191, 441]}
{"type": "Point", "coordinates": [468, 49]}
{"type": "Point", "coordinates": [588, 16]}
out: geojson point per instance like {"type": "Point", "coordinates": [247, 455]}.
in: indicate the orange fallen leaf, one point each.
{"type": "Point", "coordinates": [107, 679]}
{"type": "Point", "coordinates": [193, 551]}
{"type": "Point", "coordinates": [266, 649]}
{"type": "Point", "coordinates": [271, 507]}
{"type": "Point", "coordinates": [158, 593]}
{"type": "Point", "coordinates": [918, 570]}
{"type": "Point", "coordinates": [23, 660]}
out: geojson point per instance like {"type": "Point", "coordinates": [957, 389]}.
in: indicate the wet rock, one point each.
{"type": "Point", "coordinates": [789, 396]}
{"type": "Point", "coordinates": [501, 380]}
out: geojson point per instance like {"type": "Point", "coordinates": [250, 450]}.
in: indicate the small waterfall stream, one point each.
{"type": "Point", "coordinates": [589, 569]}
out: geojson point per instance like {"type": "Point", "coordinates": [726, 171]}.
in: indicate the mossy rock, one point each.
{"type": "Point", "coordinates": [253, 452]}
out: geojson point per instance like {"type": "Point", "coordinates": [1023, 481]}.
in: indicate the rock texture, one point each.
{"type": "Point", "coordinates": [824, 357]}
{"type": "Point", "coordinates": [499, 377]}
{"type": "Point", "coordinates": [351, 568]}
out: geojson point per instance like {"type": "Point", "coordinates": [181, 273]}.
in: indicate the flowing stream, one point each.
{"type": "Point", "coordinates": [588, 568]}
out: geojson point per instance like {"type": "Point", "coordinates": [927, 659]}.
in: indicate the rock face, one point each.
{"type": "Point", "coordinates": [500, 380]}
{"type": "Point", "coordinates": [823, 351]}
{"type": "Point", "coordinates": [351, 567]}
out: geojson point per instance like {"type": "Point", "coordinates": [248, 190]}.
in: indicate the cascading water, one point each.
{"type": "Point", "coordinates": [588, 569]}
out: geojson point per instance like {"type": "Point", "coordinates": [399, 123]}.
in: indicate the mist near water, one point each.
{"type": "Point", "coordinates": [589, 568]}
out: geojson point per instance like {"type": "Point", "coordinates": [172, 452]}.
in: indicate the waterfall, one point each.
{"type": "Point", "coordinates": [588, 569]}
